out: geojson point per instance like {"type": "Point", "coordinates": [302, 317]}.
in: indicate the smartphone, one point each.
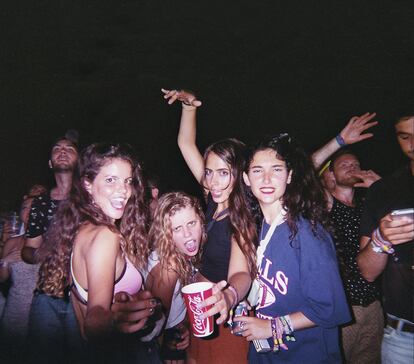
{"type": "Point", "coordinates": [403, 213]}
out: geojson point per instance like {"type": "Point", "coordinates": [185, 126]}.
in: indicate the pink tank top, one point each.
{"type": "Point", "coordinates": [130, 282]}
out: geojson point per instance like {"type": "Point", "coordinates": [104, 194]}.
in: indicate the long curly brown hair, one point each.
{"type": "Point", "coordinates": [304, 196]}
{"type": "Point", "coordinates": [242, 226]}
{"type": "Point", "coordinates": [55, 252]}
{"type": "Point", "coordinates": [161, 235]}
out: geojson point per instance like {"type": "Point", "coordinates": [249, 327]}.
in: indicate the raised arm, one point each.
{"type": "Point", "coordinates": [187, 132]}
{"type": "Point", "coordinates": [352, 133]}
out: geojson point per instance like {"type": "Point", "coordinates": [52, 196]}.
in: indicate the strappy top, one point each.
{"type": "Point", "coordinates": [130, 281]}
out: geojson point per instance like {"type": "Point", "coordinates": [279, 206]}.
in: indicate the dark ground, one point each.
{"type": "Point", "coordinates": [260, 67]}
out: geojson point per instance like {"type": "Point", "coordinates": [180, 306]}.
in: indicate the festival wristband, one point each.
{"type": "Point", "coordinates": [379, 244]}
{"type": "Point", "coordinates": [340, 140]}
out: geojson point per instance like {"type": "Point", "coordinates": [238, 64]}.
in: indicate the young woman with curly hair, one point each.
{"type": "Point", "coordinates": [229, 255]}
{"type": "Point", "coordinates": [176, 238]}
{"type": "Point", "coordinates": [300, 292]}
{"type": "Point", "coordinates": [97, 242]}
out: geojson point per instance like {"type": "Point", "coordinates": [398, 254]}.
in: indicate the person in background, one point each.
{"type": "Point", "coordinates": [153, 192]}
{"type": "Point", "coordinates": [361, 339]}
{"type": "Point", "coordinates": [62, 162]}
{"type": "Point", "coordinates": [229, 255]}
{"type": "Point", "coordinates": [299, 289]}
{"type": "Point", "coordinates": [353, 132]}
{"type": "Point", "coordinates": [387, 248]}
{"type": "Point", "coordinates": [22, 278]}
{"type": "Point", "coordinates": [176, 238]}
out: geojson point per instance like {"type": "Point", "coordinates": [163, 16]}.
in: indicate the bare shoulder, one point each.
{"type": "Point", "coordinates": [166, 273]}
{"type": "Point", "coordinates": [93, 237]}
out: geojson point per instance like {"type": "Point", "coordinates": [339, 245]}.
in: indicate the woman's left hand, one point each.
{"type": "Point", "coordinates": [221, 302]}
{"type": "Point", "coordinates": [253, 328]}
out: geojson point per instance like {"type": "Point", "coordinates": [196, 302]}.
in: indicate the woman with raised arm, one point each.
{"type": "Point", "coordinates": [300, 300]}
{"type": "Point", "coordinates": [99, 236]}
{"type": "Point", "coordinates": [229, 254]}
{"type": "Point", "coordinates": [176, 237]}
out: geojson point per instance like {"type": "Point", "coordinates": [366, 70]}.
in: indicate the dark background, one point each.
{"type": "Point", "coordinates": [260, 67]}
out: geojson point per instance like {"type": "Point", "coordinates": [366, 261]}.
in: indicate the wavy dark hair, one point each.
{"type": "Point", "coordinates": [304, 195]}
{"type": "Point", "coordinates": [242, 226]}
{"type": "Point", "coordinates": [161, 236]}
{"type": "Point", "coordinates": [55, 252]}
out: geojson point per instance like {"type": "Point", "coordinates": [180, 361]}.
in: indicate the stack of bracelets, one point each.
{"type": "Point", "coordinates": [379, 245]}
{"type": "Point", "coordinates": [281, 326]}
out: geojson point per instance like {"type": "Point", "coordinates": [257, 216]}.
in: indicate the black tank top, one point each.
{"type": "Point", "coordinates": [216, 252]}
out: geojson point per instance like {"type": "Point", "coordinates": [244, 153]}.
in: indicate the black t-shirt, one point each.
{"type": "Point", "coordinates": [216, 251]}
{"type": "Point", "coordinates": [41, 213]}
{"type": "Point", "coordinates": [390, 193]}
{"type": "Point", "coordinates": [346, 221]}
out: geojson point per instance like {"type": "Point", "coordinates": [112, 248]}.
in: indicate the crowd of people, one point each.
{"type": "Point", "coordinates": [325, 270]}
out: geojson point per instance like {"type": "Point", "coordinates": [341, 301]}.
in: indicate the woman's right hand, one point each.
{"type": "Point", "coordinates": [186, 97]}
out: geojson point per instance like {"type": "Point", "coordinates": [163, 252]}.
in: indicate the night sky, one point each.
{"type": "Point", "coordinates": [260, 67]}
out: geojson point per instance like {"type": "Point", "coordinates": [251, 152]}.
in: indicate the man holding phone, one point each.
{"type": "Point", "coordinates": [387, 248]}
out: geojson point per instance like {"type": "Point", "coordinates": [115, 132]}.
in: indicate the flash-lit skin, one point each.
{"type": "Point", "coordinates": [111, 188]}
{"type": "Point", "coordinates": [268, 177]}
{"type": "Point", "coordinates": [186, 231]}
{"type": "Point", "coordinates": [218, 180]}
{"type": "Point", "coordinates": [405, 136]}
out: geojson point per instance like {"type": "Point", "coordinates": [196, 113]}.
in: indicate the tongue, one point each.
{"type": "Point", "coordinates": [191, 246]}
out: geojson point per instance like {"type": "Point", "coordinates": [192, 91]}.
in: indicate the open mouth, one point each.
{"type": "Point", "coordinates": [118, 203]}
{"type": "Point", "coordinates": [191, 246]}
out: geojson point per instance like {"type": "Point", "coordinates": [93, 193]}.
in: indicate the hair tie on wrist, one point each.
{"type": "Point", "coordinates": [236, 295]}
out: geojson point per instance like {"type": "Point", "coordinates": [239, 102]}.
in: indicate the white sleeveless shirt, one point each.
{"type": "Point", "coordinates": [177, 309]}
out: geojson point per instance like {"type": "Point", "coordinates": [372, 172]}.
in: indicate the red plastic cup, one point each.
{"type": "Point", "coordinates": [194, 294]}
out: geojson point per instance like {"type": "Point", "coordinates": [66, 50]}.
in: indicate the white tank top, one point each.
{"type": "Point", "coordinates": [177, 310]}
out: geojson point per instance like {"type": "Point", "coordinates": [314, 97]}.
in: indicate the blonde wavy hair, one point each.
{"type": "Point", "coordinates": [161, 236]}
